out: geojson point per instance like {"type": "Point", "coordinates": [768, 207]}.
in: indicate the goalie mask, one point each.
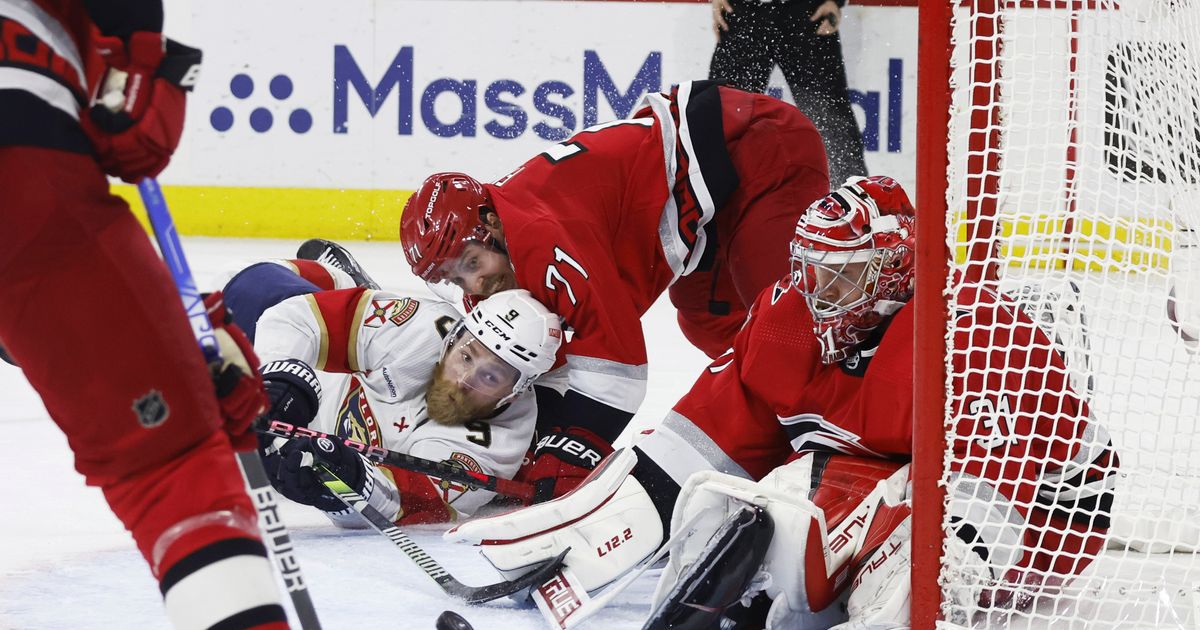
{"type": "Point", "coordinates": [514, 328]}
{"type": "Point", "coordinates": [852, 260]}
{"type": "Point", "coordinates": [440, 219]}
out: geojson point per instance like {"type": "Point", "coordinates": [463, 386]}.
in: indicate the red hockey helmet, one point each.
{"type": "Point", "coordinates": [852, 259]}
{"type": "Point", "coordinates": [440, 219]}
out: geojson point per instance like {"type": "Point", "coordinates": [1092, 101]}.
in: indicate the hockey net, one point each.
{"type": "Point", "coordinates": [1073, 186]}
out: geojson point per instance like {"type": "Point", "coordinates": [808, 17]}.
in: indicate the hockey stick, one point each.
{"type": "Point", "coordinates": [441, 470]}
{"type": "Point", "coordinates": [452, 587]}
{"type": "Point", "coordinates": [275, 533]}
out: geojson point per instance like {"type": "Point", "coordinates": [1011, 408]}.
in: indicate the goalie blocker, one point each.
{"type": "Point", "coordinates": [838, 520]}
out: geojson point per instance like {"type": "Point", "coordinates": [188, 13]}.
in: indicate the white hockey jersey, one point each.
{"type": "Point", "coordinates": [375, 353]}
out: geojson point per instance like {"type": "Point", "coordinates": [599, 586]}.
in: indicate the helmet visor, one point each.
{"type": "Point", "coordinates": [834, 283]}
{"type": "Point", "coordinates": [470, 364]}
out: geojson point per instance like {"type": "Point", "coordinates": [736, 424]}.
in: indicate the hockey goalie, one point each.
{"type": "Point", "coordinates": [779, 482]}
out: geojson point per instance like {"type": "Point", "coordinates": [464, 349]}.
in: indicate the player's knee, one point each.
{"type": "Point", "coordinates": [226, 582]}
{"type": "Point", "coordinates": [197, 528]}
{"type": "Point", "coordinates": [204, 478]}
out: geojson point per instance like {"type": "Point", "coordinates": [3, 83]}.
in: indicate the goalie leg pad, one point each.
{"type": "Point", "coordinates": [609, 523]}
{"type": "Point", "coordinates": [809, 560]}
{"type": "Point", "coordinates": [882, 591]}
{"type": "Point", "coordinates": [719, 577]}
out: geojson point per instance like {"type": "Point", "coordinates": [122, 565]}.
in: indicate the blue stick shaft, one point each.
{"type": "Point", "coordinates": [172, 253]}
{"type": "Point", "coordinates": [279, 541]}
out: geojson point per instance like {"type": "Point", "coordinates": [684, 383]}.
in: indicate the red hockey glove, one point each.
{"type": "Point", "coordinates": [138, 101]}
{"type": "Point", "coordinates": [561, 461]}
{"type": "Point", "coordinates": [239, 387]}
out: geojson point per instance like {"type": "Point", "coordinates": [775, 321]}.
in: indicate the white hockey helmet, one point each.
{"type": "Point", "coordinates": [517, 328]}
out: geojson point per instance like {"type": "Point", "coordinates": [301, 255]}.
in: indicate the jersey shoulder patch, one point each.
{"type": "Point", "coordinates": [395, 311]}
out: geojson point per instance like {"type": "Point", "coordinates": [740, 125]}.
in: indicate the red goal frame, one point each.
{"type": "Point", "coordinates": [932, 266]}
{"type": "Point", "coordinates": [934, 249]}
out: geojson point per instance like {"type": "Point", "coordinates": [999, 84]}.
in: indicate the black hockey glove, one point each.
{"type": "Point", "coordinates": [296, 479]}
{"type": "Point", "coordinates": [295, 395]}
{"type": "Point", "coordinates": [294, 391]}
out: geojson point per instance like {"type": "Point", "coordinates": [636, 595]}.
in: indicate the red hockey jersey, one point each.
{"type": "Point", "coordinates": [598, 226]}
{"type": "Point", "coordinates": [1018, 424]}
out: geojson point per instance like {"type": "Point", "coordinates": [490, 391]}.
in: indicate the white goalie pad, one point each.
{"type": "Point", "coordinates": [881, 594]}
{"type": "Point", "coordinates": [806, 563]}
{"type": "Point", "coordinates": [608, 522]}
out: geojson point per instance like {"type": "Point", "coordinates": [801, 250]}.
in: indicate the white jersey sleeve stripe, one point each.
{"type": "Point", "coordinates": [681, 449]}
{"type": "Point", "coordinates": [45, 28]}
{"type": "Point", "coordinates": [323, 351]}
{"type": "Point", "coordinates": [364, 301]}
{"type": "Point", "coordinates": [615, 384]}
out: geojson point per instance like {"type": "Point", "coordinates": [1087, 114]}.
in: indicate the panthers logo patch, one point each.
{"type": "Point", "coordinates": [394, 311]}
{"type": "Point", "coordinates": [355, 420]}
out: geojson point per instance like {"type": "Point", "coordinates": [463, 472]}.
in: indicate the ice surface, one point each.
{"type": "Point", "coordinates": [66, 562]}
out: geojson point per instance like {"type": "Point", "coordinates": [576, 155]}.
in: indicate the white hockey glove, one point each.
{"type": "Point", "coordinates": [608, 522]}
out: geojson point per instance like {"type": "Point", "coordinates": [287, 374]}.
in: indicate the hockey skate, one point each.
{"type": "Point", "coordinates": [331, 253]}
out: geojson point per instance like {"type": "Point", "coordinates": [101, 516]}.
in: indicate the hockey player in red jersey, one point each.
{"type": "Point", "coordinates": [809, 417]}
{"type": "Point", "coordinates": [91, 314]}
{"type": "Point", "coordinates": [695, 194]}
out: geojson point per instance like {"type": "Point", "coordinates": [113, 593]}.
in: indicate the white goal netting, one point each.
{"type": "Point", "coordinates": [1074, 151]}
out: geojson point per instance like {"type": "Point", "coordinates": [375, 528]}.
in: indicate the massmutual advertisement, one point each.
{"type": "Point", "coordinates": [321, 118]}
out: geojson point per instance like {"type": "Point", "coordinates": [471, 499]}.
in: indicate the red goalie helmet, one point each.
{"type": "Point", "coordinates": [852, 259]}
{"type": "Point", "coordinates": [440, 219]}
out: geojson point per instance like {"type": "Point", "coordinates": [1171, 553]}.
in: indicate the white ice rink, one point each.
{"type": "Point", "coordinates": [66, 562]}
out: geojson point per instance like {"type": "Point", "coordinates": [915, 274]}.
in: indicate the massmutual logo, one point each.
{"type": "Point", "coordinates": [473, 107]}
{"type": "Point", "coordinates": [500, 108]}
{"type": "Point", "coordinates": [260, 118]}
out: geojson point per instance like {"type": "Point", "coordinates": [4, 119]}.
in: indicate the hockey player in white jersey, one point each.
{"type": "Point", "coordinates": [409, 375]}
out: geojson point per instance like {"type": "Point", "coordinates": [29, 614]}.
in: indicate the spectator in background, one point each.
{"type": "Point", "coordinates": [801, 36]}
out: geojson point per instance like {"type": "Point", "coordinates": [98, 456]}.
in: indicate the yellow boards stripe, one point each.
{"type": "Point", "coordinates": [299, 213]}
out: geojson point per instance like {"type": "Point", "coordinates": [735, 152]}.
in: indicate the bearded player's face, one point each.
{"type": "Point", "coordinates": [468, 381]}
{"type": "Point", "coordinates": [481, 271]}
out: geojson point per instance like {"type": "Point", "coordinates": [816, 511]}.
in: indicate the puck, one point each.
{"type": "Point", "coordinates": [451, 620]}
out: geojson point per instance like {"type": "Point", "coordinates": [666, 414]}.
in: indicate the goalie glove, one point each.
{"type": "Point", "coordinates": [609, 523]}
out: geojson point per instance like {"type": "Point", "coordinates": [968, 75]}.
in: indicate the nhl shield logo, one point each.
{"type": "Point", "coordinates": [151, 409]}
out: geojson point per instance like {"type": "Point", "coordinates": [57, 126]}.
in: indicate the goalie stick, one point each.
{"type": "Point", "coordinates": [452, 587]}
{"type": "Point", "coordinates": [275, 533]}
{"type": "Point", "coordinates": [378, 454]}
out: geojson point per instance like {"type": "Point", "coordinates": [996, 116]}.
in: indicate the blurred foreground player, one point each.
{"type": "Point", "coordinates": [694, 195]}
{"type": "Point", "coordinates": [410, 375]}
{"type": "Point", "coordinates": [809, 418]}
{"type": "Point", "coordinates": [148, 430]}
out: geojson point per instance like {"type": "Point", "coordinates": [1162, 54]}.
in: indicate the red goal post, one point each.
{"type": "Point", "coordinates": [1058, 163]}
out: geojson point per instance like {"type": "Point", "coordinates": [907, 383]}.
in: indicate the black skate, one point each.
{"type": "Point", "coordinates": [331, 253]}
